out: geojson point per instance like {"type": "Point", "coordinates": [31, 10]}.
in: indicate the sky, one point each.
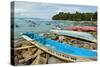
{"type": "Point", "coordinates": [47, 10]}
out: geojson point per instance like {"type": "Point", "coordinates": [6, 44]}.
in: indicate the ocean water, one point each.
{"type": "Point", "coordinates": [36, 25]}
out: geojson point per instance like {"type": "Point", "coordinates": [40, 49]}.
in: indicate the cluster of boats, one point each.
{"type": "Point", "coordinates": [62, 50]}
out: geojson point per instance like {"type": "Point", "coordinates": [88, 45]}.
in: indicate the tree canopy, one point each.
{"type": "Point", "coordinates": [75, 16]}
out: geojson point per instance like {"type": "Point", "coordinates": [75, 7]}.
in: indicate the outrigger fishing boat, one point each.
{"type": "Point", "coordinates": [60, 50]}
{"type": "Point", "coordinates": [76, 34]}
{"type": "Point", "coordinates": [81, 28]}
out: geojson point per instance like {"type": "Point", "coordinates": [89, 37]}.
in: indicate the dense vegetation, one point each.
{"type": "Point", "coordinates": [76, 16]}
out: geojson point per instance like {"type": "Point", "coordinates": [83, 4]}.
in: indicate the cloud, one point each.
{"type": "Point", "coordinates": [19, 10]}
{"type": "Point", "coordinates": [68, 9]}
{"type": "Point", "coordinates": [47, 10]}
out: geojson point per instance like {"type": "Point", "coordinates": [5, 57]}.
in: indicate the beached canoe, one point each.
{"type": "Point", "coordinates": [76, 34]}
{"type": "Point", "coordinates": [81, 28]}
{"type": "Point", "coordinates": [60, 50]}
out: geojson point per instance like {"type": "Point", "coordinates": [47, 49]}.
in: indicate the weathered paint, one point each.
{"type": "Point", "coordinates": [60, 47]}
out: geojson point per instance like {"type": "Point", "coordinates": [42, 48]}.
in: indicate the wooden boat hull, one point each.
{"type": "Point", "coordinates": [81, 35]}
{"type": "Point", "coordinates": [81, 28]}
{"type": "Point", "coordinates": [60, 50]}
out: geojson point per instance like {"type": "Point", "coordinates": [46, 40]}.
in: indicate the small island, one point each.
{"type": "Point", "coordinates": [77, 16]}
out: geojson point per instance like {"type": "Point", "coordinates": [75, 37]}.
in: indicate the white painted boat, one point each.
{"type": "Point", "coordinates": [76, 34]}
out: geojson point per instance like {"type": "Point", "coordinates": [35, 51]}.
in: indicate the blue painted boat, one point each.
{"type": "Point", "coordinates": [76, 34]}
{"type": "Point", "coordinates": [60, 50]}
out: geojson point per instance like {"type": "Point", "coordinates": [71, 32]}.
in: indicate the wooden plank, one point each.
{"type": "Point", "coordinates": [44, 60]}
{"type": "Point", "coordinates": [20, 48]}
{"type": "Point", "coordinates": [33, 56]}
{"type": "Point", "coordinates": [34, 49]}
{"type": "Point", "coordinates": [47, 55]}
{"type": "Point", "coordinates": [36, 61]}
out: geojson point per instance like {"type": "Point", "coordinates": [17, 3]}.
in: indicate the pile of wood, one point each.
{"type": "Point", "coordinates": [26, 53]}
